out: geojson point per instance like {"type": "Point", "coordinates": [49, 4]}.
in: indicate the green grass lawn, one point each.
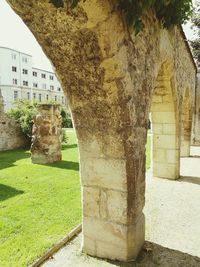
{"type": "Point", "coordinates": [38, 204]}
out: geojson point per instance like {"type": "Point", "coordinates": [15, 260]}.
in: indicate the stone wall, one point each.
{"type": "Point", "coordinates": [109, 75]}
{"type": "Point", "coordinates": [11, 136]}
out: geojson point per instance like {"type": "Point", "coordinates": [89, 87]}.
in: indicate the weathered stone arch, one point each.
{"type": "Point", "coordinates": [186, 124]}
{"type": "Point", "coordinates": [165, 126]}
{"type": "Point", "coordinates": [108, 75]}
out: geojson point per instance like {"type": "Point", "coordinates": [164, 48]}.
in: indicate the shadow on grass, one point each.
{"type": "Point", "coordinates": [68, 165]}
{"type": "Point", "coordinates": [8, 192]}
{"type": "Point", "coordinates": [69, 146]}
{"type": "Point", "coordinates": [8, 158]}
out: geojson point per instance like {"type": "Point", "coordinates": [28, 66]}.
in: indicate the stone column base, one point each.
{"type": "Point", "coordinates": [113, 241]}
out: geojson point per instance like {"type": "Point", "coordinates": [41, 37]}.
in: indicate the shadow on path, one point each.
{"type": "Point", "coordinates": [8, 192]}
{"type": "Point", "coordinates": [152, 255]}
{"type": "Point", "coordinates": [189, 179]}
{"type": "Point", "coordinates": [156, 255]}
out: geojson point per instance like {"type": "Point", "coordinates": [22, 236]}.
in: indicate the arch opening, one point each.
{"type": "Point", "coordinates": [165, 133]}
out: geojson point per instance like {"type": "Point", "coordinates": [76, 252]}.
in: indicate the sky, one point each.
{"type": "Point", "coordinates": [14, 34]}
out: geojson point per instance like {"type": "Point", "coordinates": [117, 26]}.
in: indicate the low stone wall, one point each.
{"type": "Point", "coordinates": [11, 136]}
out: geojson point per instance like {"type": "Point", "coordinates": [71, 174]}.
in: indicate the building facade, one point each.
{"type": "Point", "coordinates": [20, 80]}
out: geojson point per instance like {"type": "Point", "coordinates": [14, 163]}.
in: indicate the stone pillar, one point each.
{"type": "Point", "coordinates": [166, 153]}
{"type": "Point", "coordinates": [47, 132]}
{"type": "Point", "coordinates": [196, 117]}
{"type": "Point", "coordinates": [112, 197]}
{"type": "Point", "coordinates": [186, 125]}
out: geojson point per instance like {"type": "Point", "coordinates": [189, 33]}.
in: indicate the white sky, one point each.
{"type": "Point", "coordinates": [14, 34]}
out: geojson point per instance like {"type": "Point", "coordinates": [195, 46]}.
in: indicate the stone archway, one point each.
{"type": "Point", "coordinates": [165, 127]}
{"type": "Point", "coordinates": [186, 124]}
{"type": "Point", "coordinates": [108, 76]}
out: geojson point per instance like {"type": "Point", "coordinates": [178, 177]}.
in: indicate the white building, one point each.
{"type": "Point", "coordinates": [20, 80]}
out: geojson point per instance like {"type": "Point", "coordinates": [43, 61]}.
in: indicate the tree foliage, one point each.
{"type": "Point", "coordinates": [169, 12]}
{"type": "Point", "coordinates": [23, 113]}
{"type": "Point", "coordinates": [196, 43]}
{"type": "Point", "coordinates": [66, 118]}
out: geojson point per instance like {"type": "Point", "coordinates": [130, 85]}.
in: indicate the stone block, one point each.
{"type": "Point", "coordinates": [159, 155]}
{"type": "Point", "coordinates": [114, 241]}
{"type": "Point", "coordinates": [164, 142]}
{"type": "Point", "coordinates": [117, 206]}
{"type": "Point", "coordinates": [105, 231]}
{"type": "Point", "coordinates": [162, 107]}
{"type": "Point", "coordinates": [157, 128]}
{"type": "Point", "coordinates": [169, 128]}
{"type": "Point", "coordinates": [166, 170]}
{"type": "Point", "coordinates": [89, 245]}
{"type": "Point", "coordinates": [91, 199]}
{"type": "Point", "coordinates": [157, 99]}
{"type": "Point", "coordinates": [172, 156]}
{"type": "Point", "coordinates": [168, 99]}
{"type": "Point", "coordinates": [185, 148]}
{"type": "Point", "coordinates": [106, 173]}
{"type": "Point", "coordinates": [163, 117]}
{"type": "Point", "coordinates": [108, 145]}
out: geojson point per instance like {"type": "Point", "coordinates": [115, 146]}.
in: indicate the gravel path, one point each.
{"type": "Point", "coordinates": [172, 225]}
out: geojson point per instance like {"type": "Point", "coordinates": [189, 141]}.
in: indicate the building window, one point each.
{"type": "Point", "coordinates": [25, 71]}
{"type": "Point", "coordinates": [35, 73]}
{"type": "Point", "coordinates": [15, 81]}
{"type": "Point", "coordinates": [59, 89]}
{"type": "Point", "coordinates": [35, 85]}
{"type": "Point", "coordinates": [51, 77]}
{"type": "Point", "coordinates": [15, 95]}
{"type": "Point", "coordinates": [34, 95]}
{"type": "Point", "coordinates": [44, 86]}
{"type": "Point", "coordinates": [47, 97]}
{"type": "Point", "coordinates": [14, 69]}
{"type": "Point", "coordinates": [25, 83]}
{"type": "Point", "coordinates": [51, 87]}
{"type": "Point", "coordinates": [14, 56]}
{"type": "Point", "coordinates": [55, 97]}
{"type": "Point", "coordinates": [43, 75]}
{"type": "Point", "coordinates": [24, 59]}
{"type": "Point", "coordinates": [28, 95]}
{"type": "Point", "coordinates": [40, 97]}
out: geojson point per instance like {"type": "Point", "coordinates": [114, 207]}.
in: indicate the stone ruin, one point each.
{"type": "Point", "coordinates": [47, 135]}
{"type": "Point", "coordinates": [11, 136]}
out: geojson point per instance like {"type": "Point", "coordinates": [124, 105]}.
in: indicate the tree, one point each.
{"type": "Point", "coordinates": [196, 43]}
{"type": "Point", "coordinates": [23, 113]}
